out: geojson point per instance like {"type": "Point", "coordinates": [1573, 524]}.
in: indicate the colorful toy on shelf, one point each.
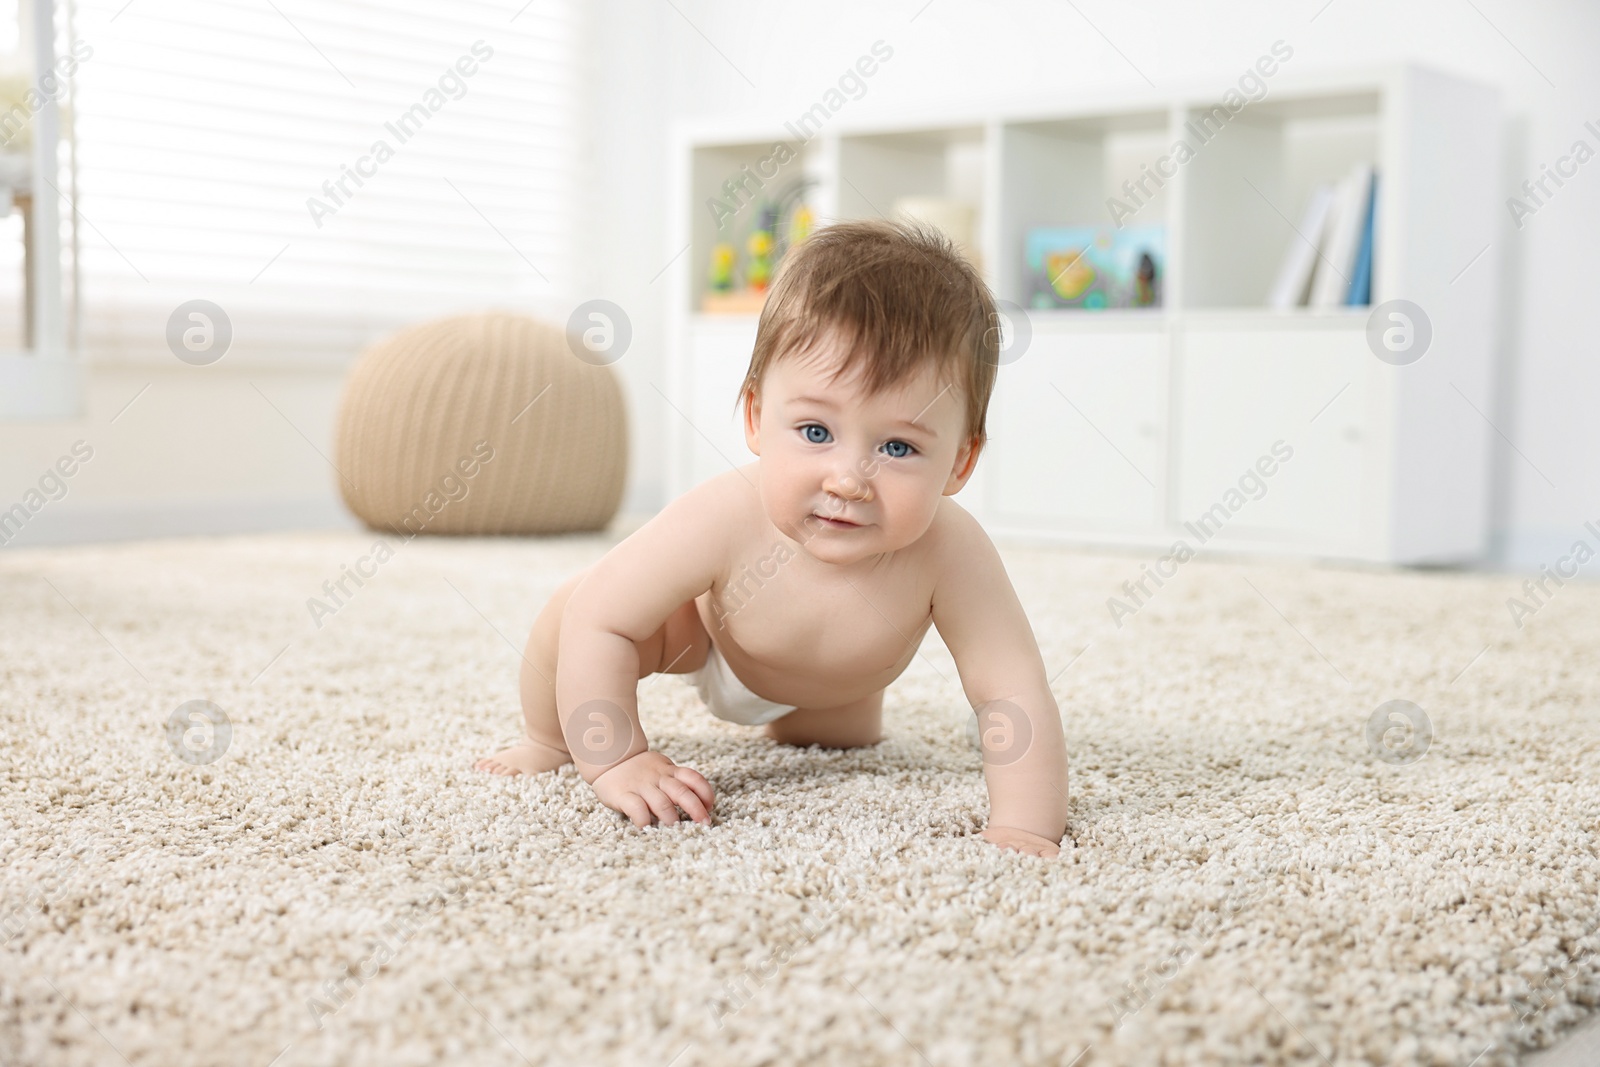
{"type": "Point", "coordinates": [800, 224]}
{"type": "Point", "coordinates": [1144, 293]}
{"type": "Point", "coordinates": [790, 204]}
{"type": "Point", "coordinates": [734, 288]}
{"type": "Point", "coordinates": [723, 296]}
{"type": "Point", "coordinates": [1071, 272]}
{"type": "Point", "coordinates": [721, 276]}
{"type": "Point", "coordinates": [1095, 266]}
{"type": "Point", "coordinates": [758, 271]}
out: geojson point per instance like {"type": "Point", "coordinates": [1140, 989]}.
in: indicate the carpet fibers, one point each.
{"type": "Point", "coordinates": [1268, 862]}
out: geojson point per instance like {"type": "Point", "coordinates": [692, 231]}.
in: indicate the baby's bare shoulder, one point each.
{"type": "Point", "coordinates": [960, 558]}
{"type": "Point", "coordinates": [975, 606]}
{"type": "Point", "coordinates": [954, 536]}
{"type": "Point", "coordinates": [727, 501]}
{"type": "Point", "coordinates": [710, 522]}
{"type": "Point", "coordinates": [672, 558]}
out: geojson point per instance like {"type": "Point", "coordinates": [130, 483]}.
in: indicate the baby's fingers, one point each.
{"type": "Point", "coordinates": [661, 804]}
{"type": "Point", "coordinates": [633, 806]}
{"type": "Point", "coordinates": [696, 781]}
{"type": "Point", "coordinates": [687, 799]}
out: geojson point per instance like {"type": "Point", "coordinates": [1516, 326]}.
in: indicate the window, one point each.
{"type": "Point", "coordinates": [324, 171]}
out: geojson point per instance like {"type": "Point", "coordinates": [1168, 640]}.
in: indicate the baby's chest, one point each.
{"type": "Point", "coordinates": [858, 627]}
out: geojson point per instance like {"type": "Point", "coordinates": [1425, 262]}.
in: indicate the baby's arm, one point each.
{"type": "Point", "coordinates": [1024, 751]}
{"type": "Point", "coordinates": [625, 598]}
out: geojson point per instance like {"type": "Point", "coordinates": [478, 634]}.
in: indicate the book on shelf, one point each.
{"type": "Point", "coordinates": [1330, 286]}
{"type": "Point", "coordinates": [1329, 260]}
{"type": "Point", "coordinates": [1294, 273]}
{"type": "Point", "coordinates": [1360, 293]}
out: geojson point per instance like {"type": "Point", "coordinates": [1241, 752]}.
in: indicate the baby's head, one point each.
{"type": "Point", "coordinates": [868, 387]}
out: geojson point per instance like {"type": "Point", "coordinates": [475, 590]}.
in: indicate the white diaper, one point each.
{"type": "Point", "coordinates": [728, 698]}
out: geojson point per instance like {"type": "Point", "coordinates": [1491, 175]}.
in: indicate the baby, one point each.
{"type": "Point", "coordinates": [793, 590]}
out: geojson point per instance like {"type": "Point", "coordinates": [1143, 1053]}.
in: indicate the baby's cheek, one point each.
{"type": "Point", "coordinates": [913, 516]}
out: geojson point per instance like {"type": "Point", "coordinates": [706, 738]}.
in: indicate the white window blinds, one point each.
{"type": "Point", "coordinates": [323, 170]}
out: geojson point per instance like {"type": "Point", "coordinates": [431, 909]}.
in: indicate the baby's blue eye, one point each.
{"type": "Point", "coordinates": [806, 429]}
{"type": "Point", "coordinates": [902, 444]}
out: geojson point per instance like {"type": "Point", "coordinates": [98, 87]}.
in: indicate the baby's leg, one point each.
{"type": "Point", "coordinates": [542, 747]}
{"type": "Point", "coordinates": [847, 726]}
{"type": "Point", "coordinates": [679, 646]}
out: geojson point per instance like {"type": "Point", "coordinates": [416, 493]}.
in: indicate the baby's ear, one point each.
{"type": "Point", "coordinates": [966, 463]}
{"type": "Point", "coordinates": [752, 421]}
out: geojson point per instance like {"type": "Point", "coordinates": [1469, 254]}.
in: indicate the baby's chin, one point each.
{"type": "Point", "coordinates": [842, 547]}
{"type": "Point", "coordinates": [817, 538]}
{"type": "Point", "coordinates": [839, 555]}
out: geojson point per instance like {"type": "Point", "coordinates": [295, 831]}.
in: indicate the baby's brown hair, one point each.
{"type": "Point", "coordinates": [900, 294]}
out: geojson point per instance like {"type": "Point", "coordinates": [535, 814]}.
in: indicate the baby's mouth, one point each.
{"type": "Point", "coordinates": [837, 524]}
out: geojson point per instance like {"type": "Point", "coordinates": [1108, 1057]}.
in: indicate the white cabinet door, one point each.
{"type": "Point", "coordinates": [1242, 390]}
{"type": "Point", "coordinates": [719, 356]}
{"type": "Point", "coordinates": [1078, 429]}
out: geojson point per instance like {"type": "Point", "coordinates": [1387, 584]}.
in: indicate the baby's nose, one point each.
{"type": "Point", "coordinates": [850, 485]}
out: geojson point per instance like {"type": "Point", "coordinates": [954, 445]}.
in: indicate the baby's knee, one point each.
{"type": "Point", "coordinates": [547, 627]}
{"type": "Point", "coordinates": [557, 604]}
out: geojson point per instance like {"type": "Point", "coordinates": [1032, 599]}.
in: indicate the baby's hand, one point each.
{"type": "Point", "coordinates": [650, 786]}
{"type": "Point", "coordinates": [1009, 837]}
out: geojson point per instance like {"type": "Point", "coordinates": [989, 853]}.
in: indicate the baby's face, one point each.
{"type": "Point", "coordinates": [876, 465]}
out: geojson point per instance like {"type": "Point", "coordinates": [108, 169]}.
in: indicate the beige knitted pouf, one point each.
{"type": "Point", "coordinates": [481, 424]}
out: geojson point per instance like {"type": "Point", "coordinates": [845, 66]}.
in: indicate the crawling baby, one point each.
{"type": "Point", "coordinates": [794, 589]}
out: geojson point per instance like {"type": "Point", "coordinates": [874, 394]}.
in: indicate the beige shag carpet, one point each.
{"type": "Point", "coordinates": [1250, 879]}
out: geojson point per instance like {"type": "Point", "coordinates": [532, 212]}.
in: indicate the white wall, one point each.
{"type": "Point", "coordinates": [1541, 55]}
{"type": "Point", "coordinates": [630, 99]}
{"type": "Point", "coordinates": [199, 449]}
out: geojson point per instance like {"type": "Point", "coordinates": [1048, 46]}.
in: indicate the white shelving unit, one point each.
{"type": "Point", "coordinates": [1126, 426]}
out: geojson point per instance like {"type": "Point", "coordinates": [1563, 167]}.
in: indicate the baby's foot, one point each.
{"type": "Point", "coordinates": [525, 757]}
